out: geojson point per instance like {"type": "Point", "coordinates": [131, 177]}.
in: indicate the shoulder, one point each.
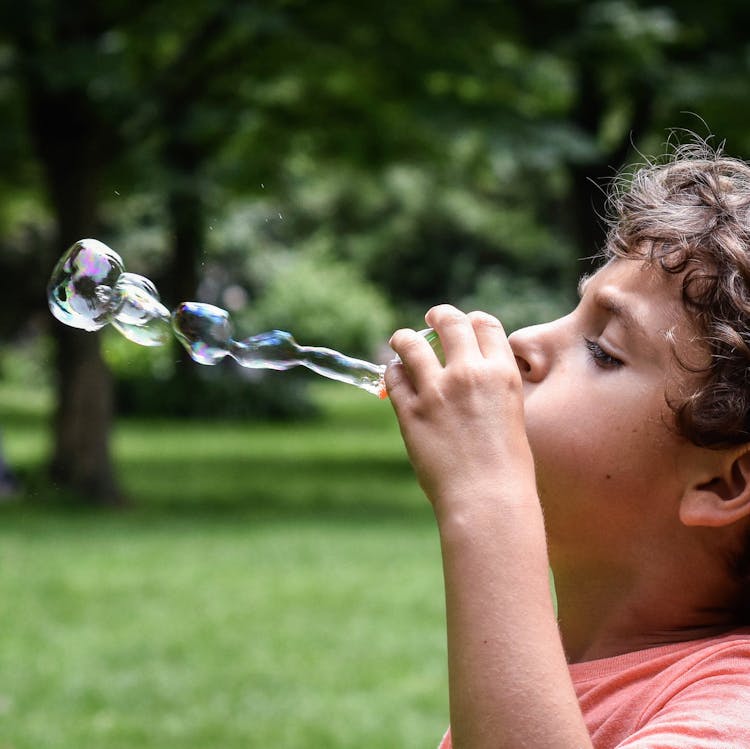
{"type": "Point", "coordinates": [731, 650]}
{"type": "Point", "coordinates": [696, 692]}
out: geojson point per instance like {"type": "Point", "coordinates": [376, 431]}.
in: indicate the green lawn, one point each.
{"type": "Point", "coordinates": [273, 586]}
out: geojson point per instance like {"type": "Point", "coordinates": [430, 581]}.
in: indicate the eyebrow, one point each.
{"type": "Point", "coordinates": [611, 304]}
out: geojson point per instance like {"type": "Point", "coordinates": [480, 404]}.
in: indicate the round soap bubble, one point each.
{"type": "Point", "coordinates": [89, 288]}
{"type": "Point", "coordinates": [77, 291]}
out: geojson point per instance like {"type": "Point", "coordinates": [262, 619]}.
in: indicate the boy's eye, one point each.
{"type": "Point", "coordinates": [600, 357]}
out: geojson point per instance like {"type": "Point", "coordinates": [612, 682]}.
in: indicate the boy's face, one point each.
{"type": "Point", "coordinates": [610, 466]}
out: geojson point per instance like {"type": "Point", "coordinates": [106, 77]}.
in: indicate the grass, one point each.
{"type": "Point", "coordinates": [273, 586]}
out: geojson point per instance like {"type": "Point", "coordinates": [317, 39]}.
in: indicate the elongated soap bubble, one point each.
{"type": "Point", "coordinates": [90, 288]}
{"type": "Point", "coordinates": [206, 332]}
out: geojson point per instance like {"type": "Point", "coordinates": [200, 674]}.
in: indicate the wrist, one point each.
{"type": "Point", "coordinates": [475, 498]}
{"type": "Point", "coordinates": [497, 531]}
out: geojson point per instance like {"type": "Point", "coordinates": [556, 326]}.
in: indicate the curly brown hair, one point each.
{"type": "Point", "coordinates": [690, 213]}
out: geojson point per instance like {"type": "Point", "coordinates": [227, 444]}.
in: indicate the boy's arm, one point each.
{"type": "Point", "coordinates": [509, 682]}
{"type": "Point", "coordinates": [464, 431]}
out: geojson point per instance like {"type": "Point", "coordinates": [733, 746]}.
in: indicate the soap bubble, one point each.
{"type": "Point", "coordinates": [137, 312]}
{"type": "Point", "coordinates": [90, 288]}
{"type": "Point", "coordinates": [77, 291]}
{"type": "Point", "coordinates": [206, 332]}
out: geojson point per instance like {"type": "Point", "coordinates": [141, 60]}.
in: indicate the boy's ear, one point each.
{"type": "Point", "coordinates": [724, 499]}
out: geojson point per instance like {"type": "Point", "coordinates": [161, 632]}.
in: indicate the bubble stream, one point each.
{"type": "Point", "coordinates": [89, 288]}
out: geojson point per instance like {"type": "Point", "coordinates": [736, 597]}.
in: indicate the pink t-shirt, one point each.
{"type": "Point", "coordinates": [690, 695]}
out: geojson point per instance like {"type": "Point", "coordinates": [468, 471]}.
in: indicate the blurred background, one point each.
{"type": "Point", "coordinates": [328, 168]}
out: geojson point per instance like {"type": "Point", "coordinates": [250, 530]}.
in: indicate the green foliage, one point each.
{"type": "Point", "coordinates": [27, 362]}
{"type": "Point", "coordinates": [126, 358]}
{"type": "Point", "coordinates": [517, 301]}
{"type": "Point", "coordinates": [323, 302]}
{"type": "Point", "coordinates": [431, 150]}
{"type": "Point", "coordinates": [133, 225]}
{"type": "Point", "coordinates": [160, 382]}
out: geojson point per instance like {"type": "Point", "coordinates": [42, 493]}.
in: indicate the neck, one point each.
{"type": "Point", "coordinates": [606, 612]}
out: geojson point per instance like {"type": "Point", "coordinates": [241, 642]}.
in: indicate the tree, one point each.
{"type": "Point", "coordinates": [462, 139]}
{"type": "Point", "coordinates": [74, 138]}
{"type": "Point", "coordinates": [84, 73]}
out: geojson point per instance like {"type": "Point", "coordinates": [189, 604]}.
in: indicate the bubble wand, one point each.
{"type": "Point", "coordinates": [90, 288]}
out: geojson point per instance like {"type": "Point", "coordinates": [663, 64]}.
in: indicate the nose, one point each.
{"type": "Point", "coordinates": [532, 350]}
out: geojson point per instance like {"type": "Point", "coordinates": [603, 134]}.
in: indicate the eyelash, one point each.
{"type": "Point", "coordinates": [600, 357]}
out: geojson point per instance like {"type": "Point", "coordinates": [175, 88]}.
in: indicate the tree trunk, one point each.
{"type": "Point", "coordinates": [186, 215]}
{"type": "Point", "coordinates": [69, 144]}
{"type": "Point", "coordinates": [81, 460]}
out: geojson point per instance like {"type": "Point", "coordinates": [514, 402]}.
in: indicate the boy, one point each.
{"type": "Point", "coordinates": [627, 423]}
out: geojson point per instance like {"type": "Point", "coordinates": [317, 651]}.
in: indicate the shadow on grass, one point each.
{"type": "Point", "coordinates": [268, 489]}
{"type": "Point", "coordinates": [348, 465]}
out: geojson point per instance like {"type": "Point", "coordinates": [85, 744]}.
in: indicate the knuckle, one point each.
{"type": "Point", "coordinates": [411, 343]}
{"type": "Point", "coordinates": [469, 375]}
{"type": "Point", "coordinates": [445, 313]}
{"type": "Point", "coordinates": [394, 373]}
{"type": "Point", "coordinates": [402, 338]}
{"type": "Point", "coordinates": [509, 379]}
{"type": "Point", "coordinates": [485, 376]}
{"type": "Point", "coordinates": [484, 319]}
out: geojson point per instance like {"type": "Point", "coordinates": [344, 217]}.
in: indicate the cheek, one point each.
{"type": "Point", "coordinates": [570, 462]}
{"type": "Point", "coordinates": [581, 448]}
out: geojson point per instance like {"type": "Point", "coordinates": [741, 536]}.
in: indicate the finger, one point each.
{"type": "Point", "coordinates": [417, 357]}
{"type": "Point", "coordinates": [490, 335]}
{"type": "Point", "coordinates": [397, 382]}
{"type": "Point", "coordinates": [456, 333]}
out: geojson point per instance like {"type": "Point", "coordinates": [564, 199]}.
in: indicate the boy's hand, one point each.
{"type": "Point", "coordinates": [463, 422]}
